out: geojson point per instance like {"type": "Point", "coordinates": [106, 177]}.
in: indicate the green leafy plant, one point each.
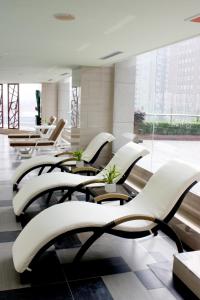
{"type": "Point", "coordinates": [139, 118]}
{"type": "Point", "coordinates": [111, 174]}
{"type": "Point", "coordinates": [174, 128]}
{"type": "Point", "coordinates": [78, 154]}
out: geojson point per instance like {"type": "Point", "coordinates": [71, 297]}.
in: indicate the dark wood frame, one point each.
{"type": "Point", "coordinates": [59, 165]}
{"type": "Point", "coordinates": [110, 229]}
{"type": "Point", "coordinates": [70, 190]}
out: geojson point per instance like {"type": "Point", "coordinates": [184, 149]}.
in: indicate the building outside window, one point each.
{"type": "Point", "coordinates": [167, 99]}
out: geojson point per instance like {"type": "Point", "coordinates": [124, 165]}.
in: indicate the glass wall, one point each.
{"type": "Point", "coordinates": [27, 103]}
{"type": "Point", "coordinates": [167, 103]}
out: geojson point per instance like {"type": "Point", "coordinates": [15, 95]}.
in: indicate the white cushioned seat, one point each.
{"type": "Point", "coordinates": [95, 144]}
{"type": "Point", "coordinates": [157, 200]}
{"type": "Point", "coordinates": [123, 159]}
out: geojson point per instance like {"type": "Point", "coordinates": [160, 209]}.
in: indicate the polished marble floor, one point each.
{"type": "Point", "coordinates": [113, 268]}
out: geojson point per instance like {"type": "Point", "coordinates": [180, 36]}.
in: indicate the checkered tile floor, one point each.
{"type": "Point", "coordinates": [113, 268]}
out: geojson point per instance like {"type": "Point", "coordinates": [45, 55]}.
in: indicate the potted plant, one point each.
{"type": "Point", "coordinates": [110, 177]}
{"type": "Point", "coordinates": [78, 156]}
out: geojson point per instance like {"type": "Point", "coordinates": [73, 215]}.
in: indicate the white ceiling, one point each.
{"type": "Point", "coordinates": [35, 47]}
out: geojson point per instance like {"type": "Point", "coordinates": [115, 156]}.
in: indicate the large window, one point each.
{"type": "Point", "coordinates": [167, 103]}
{"type": "Point", "coordinates": [27, 103]}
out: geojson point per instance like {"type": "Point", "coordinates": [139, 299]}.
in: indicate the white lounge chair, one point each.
{"type": "Point", "coordinates": [149, 211]}
{"type": "Point", "coordinates": [124, 159]}
{"type": "Point", "coordinates": [89, 156]}
{"type": "Point", "coordinates": [32, 144]}
{"type": "Point", "coordinates": [41, 131]}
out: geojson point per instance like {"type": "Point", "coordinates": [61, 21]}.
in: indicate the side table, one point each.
{"type": "Point", "coordinates": [187, 268]}
{"type": "Point", "coordinates": [122, 189]}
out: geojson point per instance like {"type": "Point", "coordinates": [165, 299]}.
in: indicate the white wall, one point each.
{"type": "Point", "coordinates": [96, 104]}
{"type": "Point", "coordinates": [49, 100]}
{"type": "Point", "coordinates": [123, 113]}
{"type": "Point", "coordinates": [64, 100]}
{"type": "Point", "coordinates": [96, 101]}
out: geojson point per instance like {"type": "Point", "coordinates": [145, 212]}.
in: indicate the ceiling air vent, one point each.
{"type": "Point", "coordinates": [111, 55]}
{"type": "Point", "coordinates": [194, 19]}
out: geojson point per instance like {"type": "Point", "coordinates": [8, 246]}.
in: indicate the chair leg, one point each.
{"type": "Point", "coordinates": [49, 198]}
{"type": "Point", "coordinates": [41, 170]}
{"type": "Point", "coordinates": [171, 233]}
{"type": "Point", "coordinates": [15, 187]}
{"type": "Point", "coordinates": [87, 245]}
{"type": "Point", "coordinates": [66, 196]}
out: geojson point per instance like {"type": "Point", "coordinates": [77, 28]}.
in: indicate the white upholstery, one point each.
{"type": "Point", "coordinates": [34, 162]}
{"type": "Point", "coordinates": [96, 144]}
{"type": "Point", "coordinates": [123, 159]}
{"type": "Point", "coordinates": [88, 154]}
{"type": "Point", "coordinates": [165, 187]}
{"type": "Point", "coordinates": [42, 183]}
{"type": "Point", "coordinates": [157, 200]}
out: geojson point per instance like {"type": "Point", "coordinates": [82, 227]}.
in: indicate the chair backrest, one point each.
{"type": "Point", "coordinates": [165, 190]}
{"type": "Point", "coordinates": [93, 149]}
{"type": "Point", "coordinates": [52, 120]}
{"type": "Point", "coordinates": [57, 130]}
{"type": "Point", "coordinates": [125, 158]}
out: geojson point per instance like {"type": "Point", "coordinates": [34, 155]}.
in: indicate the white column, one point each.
{"type": "Point", "coordinates": [49, 100]}
{"type": "Point", "coordinates": [64, 99]}
{"type": "Point", "coordinates": [123, 114]}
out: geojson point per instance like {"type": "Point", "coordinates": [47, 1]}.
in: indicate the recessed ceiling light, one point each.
{"type": "Point", "coordinates": [64, 17]}
{"type": "Point", "coordinates": [111, 55]}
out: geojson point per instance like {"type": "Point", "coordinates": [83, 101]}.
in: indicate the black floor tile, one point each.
{"type": "Point", "coordinates": [50, 292]}
{"type": "Point", "coordinates": [68, 242]}
{"type": "Point", "coordinates": [148, 279]}
{"type": "Point", "coordinates": [48, 270]}
{"type": "Point", "coordinates": [90, 289]}
{"type": "Point", "coordinates": [8, 236]}
{"type": "Point", "coordinates": [96, 268]}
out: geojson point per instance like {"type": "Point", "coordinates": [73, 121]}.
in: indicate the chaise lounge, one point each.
{"type": "Point", "coordinates": [41, 131]}
{"type": "Point", "coordinates": [33, 144]}
{"type": "Point", "coordinates": [148, 212]}
{"type": "Point", "coordinates": [124, 160]}
{"type": "Point", "coordinates": [89, 156]}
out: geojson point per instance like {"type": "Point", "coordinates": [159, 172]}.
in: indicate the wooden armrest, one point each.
{"type": "Point", "coordinates": [85, 169]}
{"type": "Point", "coordinates": [133, 218]}
{"type": "Point", "coordinates": [83, 184]}
{"type": "Point", "coordinates": [66, 160]}
{"type": "Point", "coordinates": [111, 197]}
{"type": "Point", "coordinates": [169, 231]}
{"type": "Point", "coordinates": [63, 153]}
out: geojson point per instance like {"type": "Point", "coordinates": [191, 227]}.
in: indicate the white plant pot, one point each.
{"type": "Point", "coordinates": [110, 187]}
{"type": "Point", "coordinates": [80, 163]}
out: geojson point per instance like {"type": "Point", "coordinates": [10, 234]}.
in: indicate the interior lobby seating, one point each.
{"type": "Point", "coordinates": [59, 160]}
{"type": "Point", "coordinates": [85, 213]}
